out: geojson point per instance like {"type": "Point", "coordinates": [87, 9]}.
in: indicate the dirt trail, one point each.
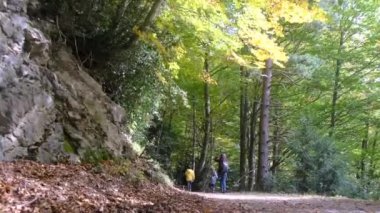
{"type": "Point", "coordinates": [261, 202]}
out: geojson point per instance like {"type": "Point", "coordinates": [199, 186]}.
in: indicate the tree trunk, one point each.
{"type": "Point", "coordinates": [153, 12]}
{"type": "Point", "coordinates": [212, 148]}
{"type": "Point", "coordinates": [276, 141]}
{"type": "Point", "coordinates": [263, 161]}
{"type": "Point", "coordinates": [207, 121]}
{"type": "Point", "coordinates": [252, 140]}
{"type": "Point", "coordinates": [372, 164]}
{"type": "Point", "coordinates": [336, 83]}
{"type": "Point", "coordinates": [243, 127]}
{"type": "Point", "coordinates": [194, 133]}
{"type": "Point", "coordinates": [122, 8]}
{"type": "Point", "coordinates": [364, 152]}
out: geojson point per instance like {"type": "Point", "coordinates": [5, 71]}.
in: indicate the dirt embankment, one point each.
{"type": "Point", "coordinates": [26, 186]}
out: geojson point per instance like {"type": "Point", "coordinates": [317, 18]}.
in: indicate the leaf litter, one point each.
{"type": "Point", "coordinates": [27, 186]}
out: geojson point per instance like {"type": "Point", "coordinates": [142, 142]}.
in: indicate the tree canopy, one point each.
{"type": "Point", "coordinates": [288, 89]}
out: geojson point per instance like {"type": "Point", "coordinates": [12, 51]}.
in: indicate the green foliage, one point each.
{"type": "Point", "coordinates": [101, 34]}
{"type": "Point", "coordinates": [124, 168]}
{"type": "Point", "coordinates": [96, 156]}
{"type": "Point", "coordinates": [162, 151]}
{"type": "Point", "coordinates": [132, 80]}
{"type": "Point", "coordinates": [304, 65]}
{"type": "Point", "coordinates": [97, 29]}
{"type": "Point", "coordinates": [67, 147]}
{"type": "Point", "coordinates": [117, 167]}
{"type": "Point", "coordinates": [317, 165]}
{"type": "Point", "coordinates": [160, 80]}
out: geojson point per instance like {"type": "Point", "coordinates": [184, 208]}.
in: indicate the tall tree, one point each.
{"type": "Point", "coordinates": [243, 126]}
{"type": "Point", "coordinates": [152, 14]}
{"type": "Point", "coordinates": [276, 139]}
{"type": "Point", "coordinates": [207, 118]}
{"type": "Point", "coordinates": [263, 154]}
{"type": "Point", "coordinates": [341, 31]}
{"type": "Point", "coordinates": [252, 141]}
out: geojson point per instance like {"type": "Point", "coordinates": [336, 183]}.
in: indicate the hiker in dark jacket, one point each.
{"type": "Point", "coordinates": [222, 171]}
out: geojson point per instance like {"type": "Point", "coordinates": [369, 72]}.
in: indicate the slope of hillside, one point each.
{"type": "Point", "coordinates": [27, 186]}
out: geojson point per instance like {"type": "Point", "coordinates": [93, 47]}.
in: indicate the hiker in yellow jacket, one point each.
{"type": "Point", "coordinates": [190, 177]}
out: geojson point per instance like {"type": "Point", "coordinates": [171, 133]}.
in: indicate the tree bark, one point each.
{"type": "Point", "coordinates": [263, 154]}
{"type": "Point", "coordinates": [122, 8]}
{"type": "Point", "coordinates": [252, 144]}
{"type": "Point", "coordinates": [194, 133]}
{"type": "Point", "coordinates": [207, 121]}
{"type": "Point", "coordinates": [372, 164]}
{"type": "Point", "coordinates": [243, 127]}
{"type": "Point", "coordinates": [276, 141]}
{"type": "Point", "coordinates": [364, 152]}
{"type": "Point", "coordinates": [336, 82]}
{"type": "Point", "coordinates": [153, 12]}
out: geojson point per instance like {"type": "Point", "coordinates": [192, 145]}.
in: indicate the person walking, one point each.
{"type": "Point", "coordinates": [213, 179]}
{"type": "Point", "coordinates": [222, 171]}
{"type": "Point", "coordinates": [190, 177]}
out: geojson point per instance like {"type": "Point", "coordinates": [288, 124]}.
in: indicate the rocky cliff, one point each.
{"type": "Point", "coordinates": [50, 108]}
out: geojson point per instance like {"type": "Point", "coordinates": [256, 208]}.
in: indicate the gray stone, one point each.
{"type": "Point", "coordinates": [74, 115]}
{"type": "Point", "coordinates": [74, 159]}
{"type": "Point", "coordinates": [17, 5]}
{"type": "Point", "coordinates": [47, 99]}
{"type": "Point", "coordinates": [6, 25]}
{"type": "Point", "coordinates": [36, 45]}
{"type": "Point", "coordinates": [3, 5]}
{"type": "Point", "coordinates": [118, 114]}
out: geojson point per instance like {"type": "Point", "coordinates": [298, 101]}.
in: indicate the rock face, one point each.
{"type": "Point", "coordinates": [50, 108]}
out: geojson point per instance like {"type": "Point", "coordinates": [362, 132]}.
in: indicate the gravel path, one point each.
{"type": "Point", "coordinates": [261, 202]}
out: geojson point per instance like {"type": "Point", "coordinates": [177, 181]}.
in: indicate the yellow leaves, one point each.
{"type": "Point", "coordinates": [161, 78]}
{"type": "Point", "coordinates": [261, 54]}
{"type": "Point", "coordinates": [260, 23]}
{"type": "Point", "coordinates": [255, 24]}
{"type": "Point", "coordinates": [252, 18]}
{"type": "Point", "coordinates": [151, 38]}
{"type": "Point", "coordinates": [278, 63]}
{"type": "Point", "coordinates": [294, 11]}
{"type": "Point", "coordinates": [257, 3]}
{"type": "Point", "coordinates": [206, 77]}
{"type": "Point", "coordinates": [232, 56]}
{"type": "Point", "coordinates": [278, 55]}
{"type": "Point", "coordinates": [174, 68]}
{"type": "Point", "coordinates": [262, 46]}
{"type": "Point", "coordinates": [179, 51]}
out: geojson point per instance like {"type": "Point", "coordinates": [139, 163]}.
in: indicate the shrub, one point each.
{"type": "Point", "coordinates": [317, 165]}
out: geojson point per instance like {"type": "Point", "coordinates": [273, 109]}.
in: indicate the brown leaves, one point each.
{"type": "Point", "coordinates": [31, 187]}
{"type": "Point", "coordinates": [27, 186]}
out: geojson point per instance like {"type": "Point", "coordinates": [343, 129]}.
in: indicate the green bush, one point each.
{"type": "Point", "coordinates": [318, 167]}
{"type": "Point", "coordinates": [126, 169]}
{"type": "Point", "coordinates": [96, 156]}
{"type": "Point", "coordinates": [96, 28]}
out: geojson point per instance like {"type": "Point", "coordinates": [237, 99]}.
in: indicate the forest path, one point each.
{"type": "Point", "coordinates": [262, 202]}
{"type": "Point", "coordinates": [27, 186]}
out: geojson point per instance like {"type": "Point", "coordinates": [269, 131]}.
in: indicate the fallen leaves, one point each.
{"type": "Point", "coordinates": [27, 186]}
